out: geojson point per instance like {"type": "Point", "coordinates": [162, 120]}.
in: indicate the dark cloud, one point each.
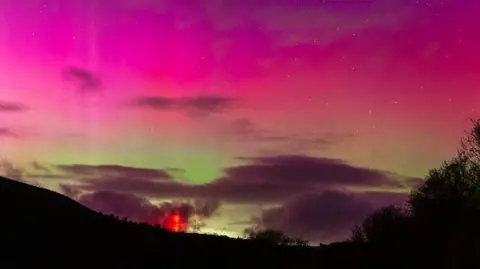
{"type": "Point", "coordinates": [160, 103]}
{"type": "Point", "coordinates": [83, 79]}
{"type": "Point", "coordinates": [48, 176]}
{"type": "Point", "coordinates": [245, 127]}
{"type": "Point", "coordinates": [206, 207]}
{"type": "Point", "coordinates": [298, 169]}
{"type": "Point", "coordinates": [262, 180]}
{"type": "Point", "coordinates": [11, 171]}
{"type": "Point", "coordinates": [414, 182]}
{"type": "Point", "coordinates": [122, 205]}
{"type": "Point", "coordinates": [39, 167]}
{"type": "Point", "coordinates": [112, 171]}
{"type": "Point", "coordinates": [306, 190]}
{"type": "Point", "coordinates": [175, 170]}
{"type": "Point", "coordinates": [136, 208]}
{"type": "Point", "coordinates": [206, 104]}
{"type": "Point", "coordinates": [225, 189]}
{"type": "Point", "coordinates": [325, 217]}
{"type": "Point", "coordinates": [321, 141]}
{"type": "Point", "coordinates": [381, 198]}
{"type": "Point", "coordinates": [70, 191]}
{"type": "Point", "coordinates": [7, 132]}
{"type": "Point", "coordinates": [11, 107]}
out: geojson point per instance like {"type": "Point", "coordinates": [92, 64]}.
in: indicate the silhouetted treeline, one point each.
{"type": "Point", "coordinates": [438, 227]}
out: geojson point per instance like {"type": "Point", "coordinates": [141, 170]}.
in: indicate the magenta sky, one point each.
{"type": "Point", "coordinates": [259, 100]}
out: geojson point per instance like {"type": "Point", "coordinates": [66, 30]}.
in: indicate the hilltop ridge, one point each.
{"type": "Point", "coordinates": [42, 227]}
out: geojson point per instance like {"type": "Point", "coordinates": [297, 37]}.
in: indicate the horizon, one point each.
{"type": "Point", "coordinates": [232, 114]}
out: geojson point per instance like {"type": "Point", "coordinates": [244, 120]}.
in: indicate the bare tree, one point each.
{"type": "Point", "coordinates": [470, 144]}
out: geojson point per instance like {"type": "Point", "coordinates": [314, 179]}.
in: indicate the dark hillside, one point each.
{"type": "Point", "coordinates": [41, 228]}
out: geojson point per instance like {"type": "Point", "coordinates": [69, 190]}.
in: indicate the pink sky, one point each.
{"type": "Point", "coordinates": [388, 86]}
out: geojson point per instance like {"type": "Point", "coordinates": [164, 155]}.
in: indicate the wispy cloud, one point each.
{"type": "Point", "coordinates": [83, 79]}
{"type": "Point", "coordinates": [113, 171]}
{"type": "Point", "coordinates": [246, 130]}
{"type": "Point", "coordinates": [11, 107]}
{"type": "Point", "coordinates": [199, 105]}
{"type": "Point", "coordinates": [11, 171]}
{"type": "Point", "coordinates": [7, 132]}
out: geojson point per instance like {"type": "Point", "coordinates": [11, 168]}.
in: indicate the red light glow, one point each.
{"type": "Point", "coordinates": [174, 223]}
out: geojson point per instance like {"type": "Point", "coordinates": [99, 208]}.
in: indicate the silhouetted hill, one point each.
{"type": "Point", "coordinates": [18, 197]}
{"type": "Point", "coordinates": [42, 229]}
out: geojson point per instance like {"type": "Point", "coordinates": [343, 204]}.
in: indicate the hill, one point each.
{"type": "Point", "coordinates": [44, 229]}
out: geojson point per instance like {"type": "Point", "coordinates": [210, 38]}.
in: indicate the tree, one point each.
{"type": "Point", "coordinates": [447, 211]}
{"type": "Point", "coordinates": [454, 188]}
{"type": "Point", "coordinates": [450, 191]}
{"type": "Point", "coordinates": [470, 144]}
{"type": "Point", "coordinates": [450, 196]}
{"type": "Point", "coordinates": [448, 203]}
{"type": "Point", "coordinates": [358, 235]}
{"type": "Point", "coordinates": [443, 219]}
{"type": "Point", "coordinates": [387, 224]}
{"type": "Point", "coordinates": [273, 237]}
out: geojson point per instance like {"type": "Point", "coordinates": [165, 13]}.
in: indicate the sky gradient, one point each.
{"type": "Point", "coordinates": [299, 115]}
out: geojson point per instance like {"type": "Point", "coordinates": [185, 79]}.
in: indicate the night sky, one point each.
{"type": "Point", "coordinates": [298, 115]}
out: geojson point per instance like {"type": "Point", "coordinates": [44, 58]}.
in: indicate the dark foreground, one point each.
{"type": "Point", "coordinates": [43, 229]}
